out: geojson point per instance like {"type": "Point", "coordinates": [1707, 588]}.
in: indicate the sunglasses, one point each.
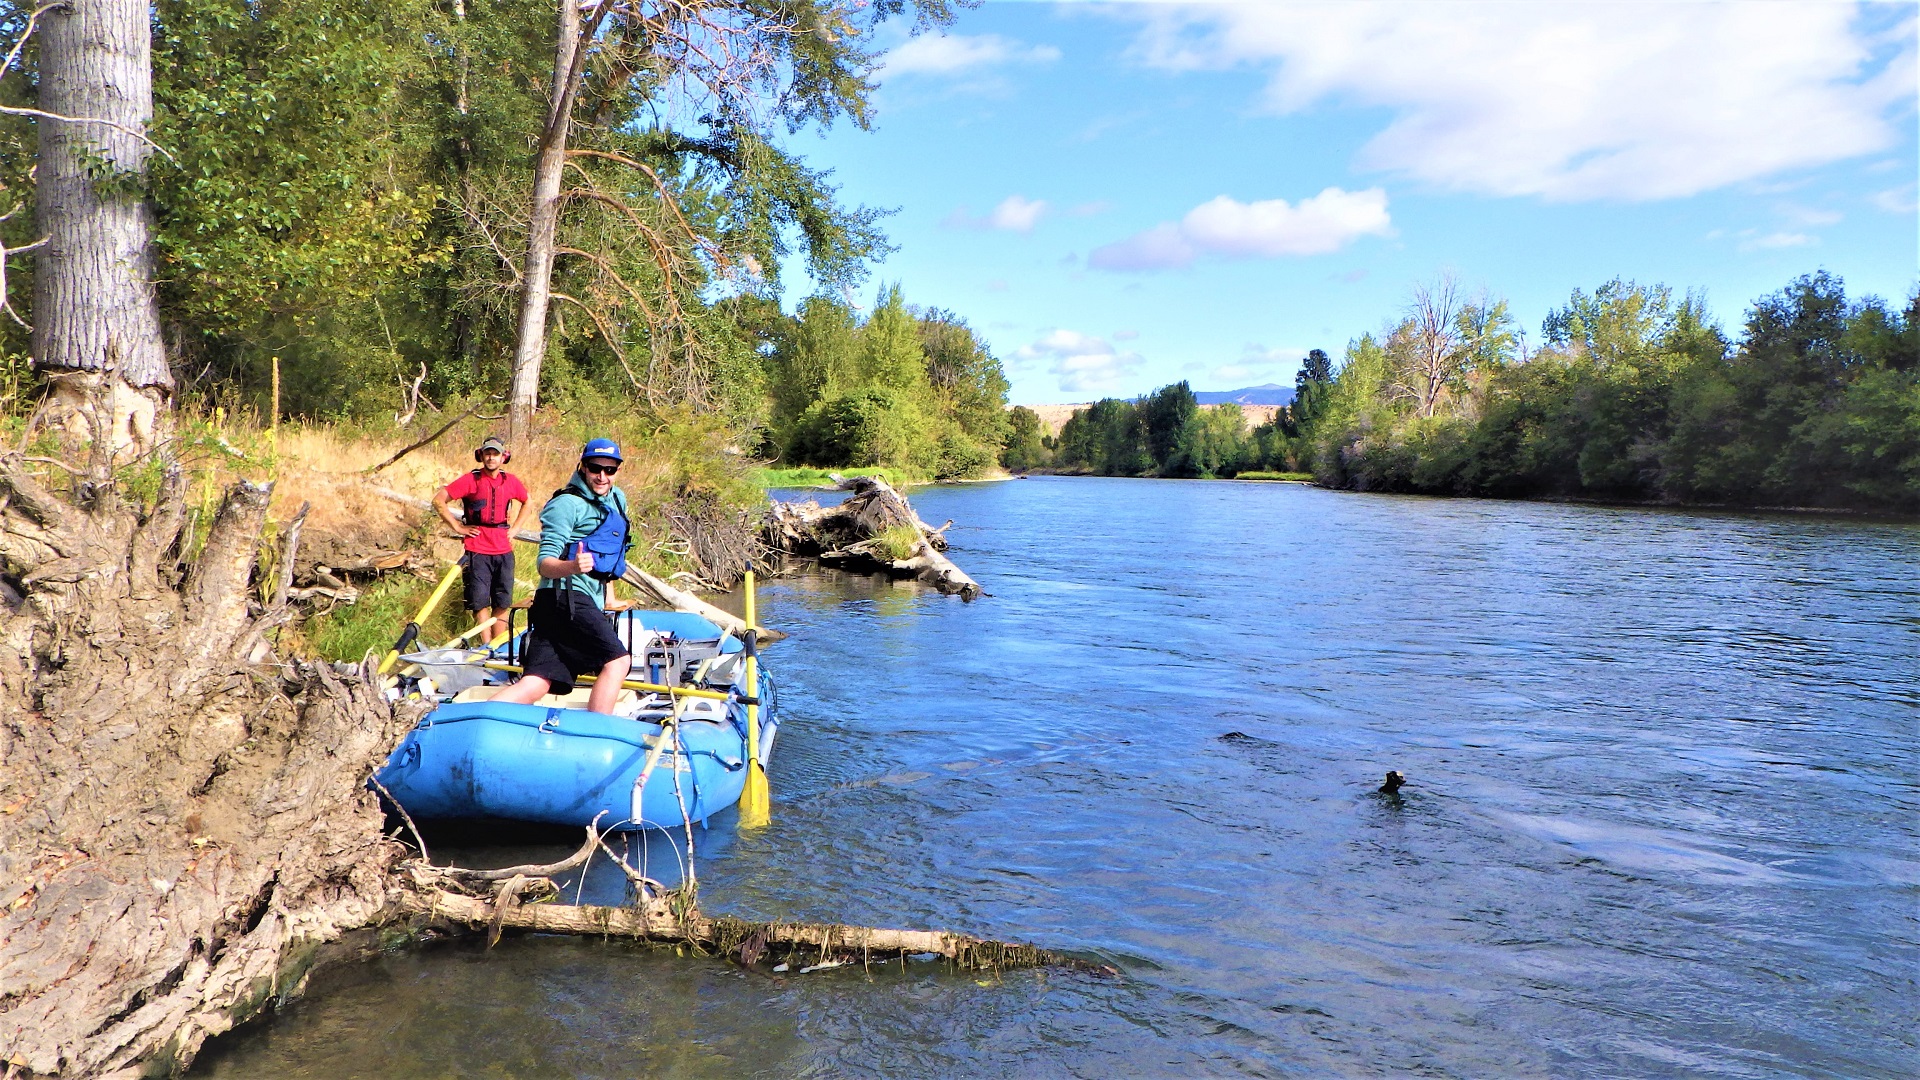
{"type": "Point", "coordinates": [591, 469]}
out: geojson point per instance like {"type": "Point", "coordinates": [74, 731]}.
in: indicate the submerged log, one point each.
{"type": "Point", "coordinates": [874, 529]}
{"type": "Point", "coordinates": [664, 918]}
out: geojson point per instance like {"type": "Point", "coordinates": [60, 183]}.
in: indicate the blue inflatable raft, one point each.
{"type": "Point", "coordinates": [556, 762]}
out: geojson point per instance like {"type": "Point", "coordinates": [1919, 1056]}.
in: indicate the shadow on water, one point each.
{"type": "Point", "coordinates": [1659, 819]}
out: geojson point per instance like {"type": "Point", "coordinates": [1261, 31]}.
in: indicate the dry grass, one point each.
{"type": "Point", "coordinates": [325, 465]}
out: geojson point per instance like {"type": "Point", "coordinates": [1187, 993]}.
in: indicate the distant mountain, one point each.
{"type": "Point", "coordinates": [1264, 394]}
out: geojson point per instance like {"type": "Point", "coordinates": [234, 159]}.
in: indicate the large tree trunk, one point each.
{"type": "Point", "coordinates": [543, 224]}
{"type": "Point", "coordinates": [96, 321]}
{"type": "Point", "coordinates": [180, 827]}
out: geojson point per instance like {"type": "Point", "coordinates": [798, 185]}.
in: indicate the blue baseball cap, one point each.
{"type": "Point", "coordinates": [605, 448]}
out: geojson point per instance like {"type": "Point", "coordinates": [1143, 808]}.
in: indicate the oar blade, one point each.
{"type": "Point", "coordinates": [756, 801]}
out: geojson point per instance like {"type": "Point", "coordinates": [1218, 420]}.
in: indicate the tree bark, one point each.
{"type": "Point", "coordinates": [96, 319]}
{"type": "Point", "coordinates": [178, 827]}
{"type": "Point", "coordinates": [543, 222]}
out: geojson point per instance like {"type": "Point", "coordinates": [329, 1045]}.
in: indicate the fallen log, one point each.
{"type": "Point", "coordinates": [864, 532]}
{"type": "Point", "coordinates": [662, 918]}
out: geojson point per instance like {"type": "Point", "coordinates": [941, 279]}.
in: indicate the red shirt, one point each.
{"type": "Point", "coordinates": [486, 506]}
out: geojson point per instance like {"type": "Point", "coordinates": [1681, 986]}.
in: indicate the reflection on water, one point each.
{"type": "Point", "coordinates": [1661, 816]}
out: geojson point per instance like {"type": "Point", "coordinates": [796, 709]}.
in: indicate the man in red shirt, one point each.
{"type": "Point", "coordinates": [494, 500]}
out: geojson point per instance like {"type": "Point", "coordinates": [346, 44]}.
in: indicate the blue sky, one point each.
{"type": "Point", "coordinates": [1120, 195]}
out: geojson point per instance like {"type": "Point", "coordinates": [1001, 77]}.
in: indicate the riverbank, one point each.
{"type": "Point", "coordinates": [1308, 479]}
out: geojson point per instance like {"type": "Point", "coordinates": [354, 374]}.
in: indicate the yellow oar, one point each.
{"type": "Point", "coordinates": [756, 800]}
{"type": "Point", "coordinates": [412, 630]}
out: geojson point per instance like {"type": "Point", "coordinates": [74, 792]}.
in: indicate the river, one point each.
{"type": "Point", "coordinates": [1662, 817]}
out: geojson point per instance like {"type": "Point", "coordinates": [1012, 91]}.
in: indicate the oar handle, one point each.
{"type": "Point", "coordinates": [411, 632]}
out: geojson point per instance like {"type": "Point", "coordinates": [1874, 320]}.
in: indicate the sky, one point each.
{"type": "Point", "coordinates": [1117, 196]}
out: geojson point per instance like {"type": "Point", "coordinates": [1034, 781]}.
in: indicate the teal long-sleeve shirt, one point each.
{"type": "Point", "coordinates": [566, 519]}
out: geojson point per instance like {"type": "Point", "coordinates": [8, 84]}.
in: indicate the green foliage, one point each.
{"type": "Point", "coordinates": [866, 426]}
{"type": "Point", "coordinates": [797, 478]}
{"type": "Point", "coordinates": [1164, 418]}
{"type": "Point", "coordinates": [351, 631]}
{"type": "Point", "coordinates": [916, 392]}
{"type": "Point", "coordinates": [1639, 396]}
{"type": "Point", "coordinates": [1026, 447]}
{"type": "Point", "coordinates": [898, 542]}
{"type": "Point", "coordinates": [348, 184]}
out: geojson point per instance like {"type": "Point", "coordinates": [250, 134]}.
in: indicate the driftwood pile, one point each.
{"type": "Point", "coordinates": [860, 533]}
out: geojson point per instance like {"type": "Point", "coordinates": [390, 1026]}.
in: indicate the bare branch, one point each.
{"type": "Point", "coordinates": [15, 110]}
{"type": "Point", "coordinates": [33, 20]}
{"type": "Point", "coordinates": [606, 332]}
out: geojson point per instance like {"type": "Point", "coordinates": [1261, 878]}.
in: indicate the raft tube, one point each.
{"type": "Point", "coordinates": [568, 766]}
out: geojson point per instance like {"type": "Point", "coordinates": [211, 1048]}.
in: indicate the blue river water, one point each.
{"type": "Point", "coordinates": [1662, 815]}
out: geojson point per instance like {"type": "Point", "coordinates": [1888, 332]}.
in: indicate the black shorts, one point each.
{"type": "Point", "coordinates": [568, 636]}
{"type": "Point", "coordinates": [489, 581]}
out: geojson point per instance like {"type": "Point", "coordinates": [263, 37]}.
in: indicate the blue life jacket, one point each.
{"type": "Point", "coordinates": [609, 540]}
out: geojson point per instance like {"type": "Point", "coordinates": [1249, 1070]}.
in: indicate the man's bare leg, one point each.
{"type": "Point", "coordinates": [529, 689]}
{"type": "Point", "coordinates": [606, 689]}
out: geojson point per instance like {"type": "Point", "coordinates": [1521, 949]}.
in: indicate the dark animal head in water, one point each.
{"type": "Point", "coordinates": [1394, 782]}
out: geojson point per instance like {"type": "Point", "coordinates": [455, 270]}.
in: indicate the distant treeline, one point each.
{"type": "Point", "coordinates": [1634, 395]}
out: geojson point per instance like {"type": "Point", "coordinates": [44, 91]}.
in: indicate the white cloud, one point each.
{"type": "Point", "coordinates": [1575, 101]}
{"type": "Point", "coordinates": [1083, 363]}
{"type": "Point", "coordinates": [1015, 213]}
{"type": "Point", "coordinates": [1898, 200]}
{"type": "Point", "coordinates": [1270, 228]}
{"type": "Point", "coordinates": [1809, 216]}
{"type": "Point", "coordinates": [1774, 240]}
{"type": "Point", "coordinates": [953, 54]}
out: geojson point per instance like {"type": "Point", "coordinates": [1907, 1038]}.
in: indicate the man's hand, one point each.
{"type": "Point", "coordinates": [464, 530]}
{"type": "Point", "coordinates": [584, 561]}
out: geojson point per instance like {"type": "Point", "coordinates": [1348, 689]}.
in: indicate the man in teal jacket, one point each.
{"type": "Point", "coordinates": [584, 536]}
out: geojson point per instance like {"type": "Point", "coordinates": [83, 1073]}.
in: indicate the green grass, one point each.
{"type": "Point", "coordinates": [1300, 477]}
{"type": "Point", "coordinates": [898, 542]}
{"type": "Point", "coordinates": [802, 478]}
{"type": "Point", "coordinates": [350, 630]}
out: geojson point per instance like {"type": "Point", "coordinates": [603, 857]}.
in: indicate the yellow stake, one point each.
{"type": "Point", "coordinates": [412, 631]}
{"type": "Point", "coordinates": [756, 800]}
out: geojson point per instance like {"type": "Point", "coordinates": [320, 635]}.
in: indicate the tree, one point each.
{"type": "Point", "coordinates": [96, 320]}
{"type": "Point", "coordinates": [1310, 386]}
{"type": "Point", "coordinates": [1026, 447]}
{"type": "Point", "coordinates": [1425, 348]}
{"type": "Point", "coordinates": [967, 380]}
{"type": "Point", "coordinates": [738, 65]}
{"type": "Point", "coordinates": [1164, 414]}
{"type": "Point", "coordinates": [1442, 340]}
